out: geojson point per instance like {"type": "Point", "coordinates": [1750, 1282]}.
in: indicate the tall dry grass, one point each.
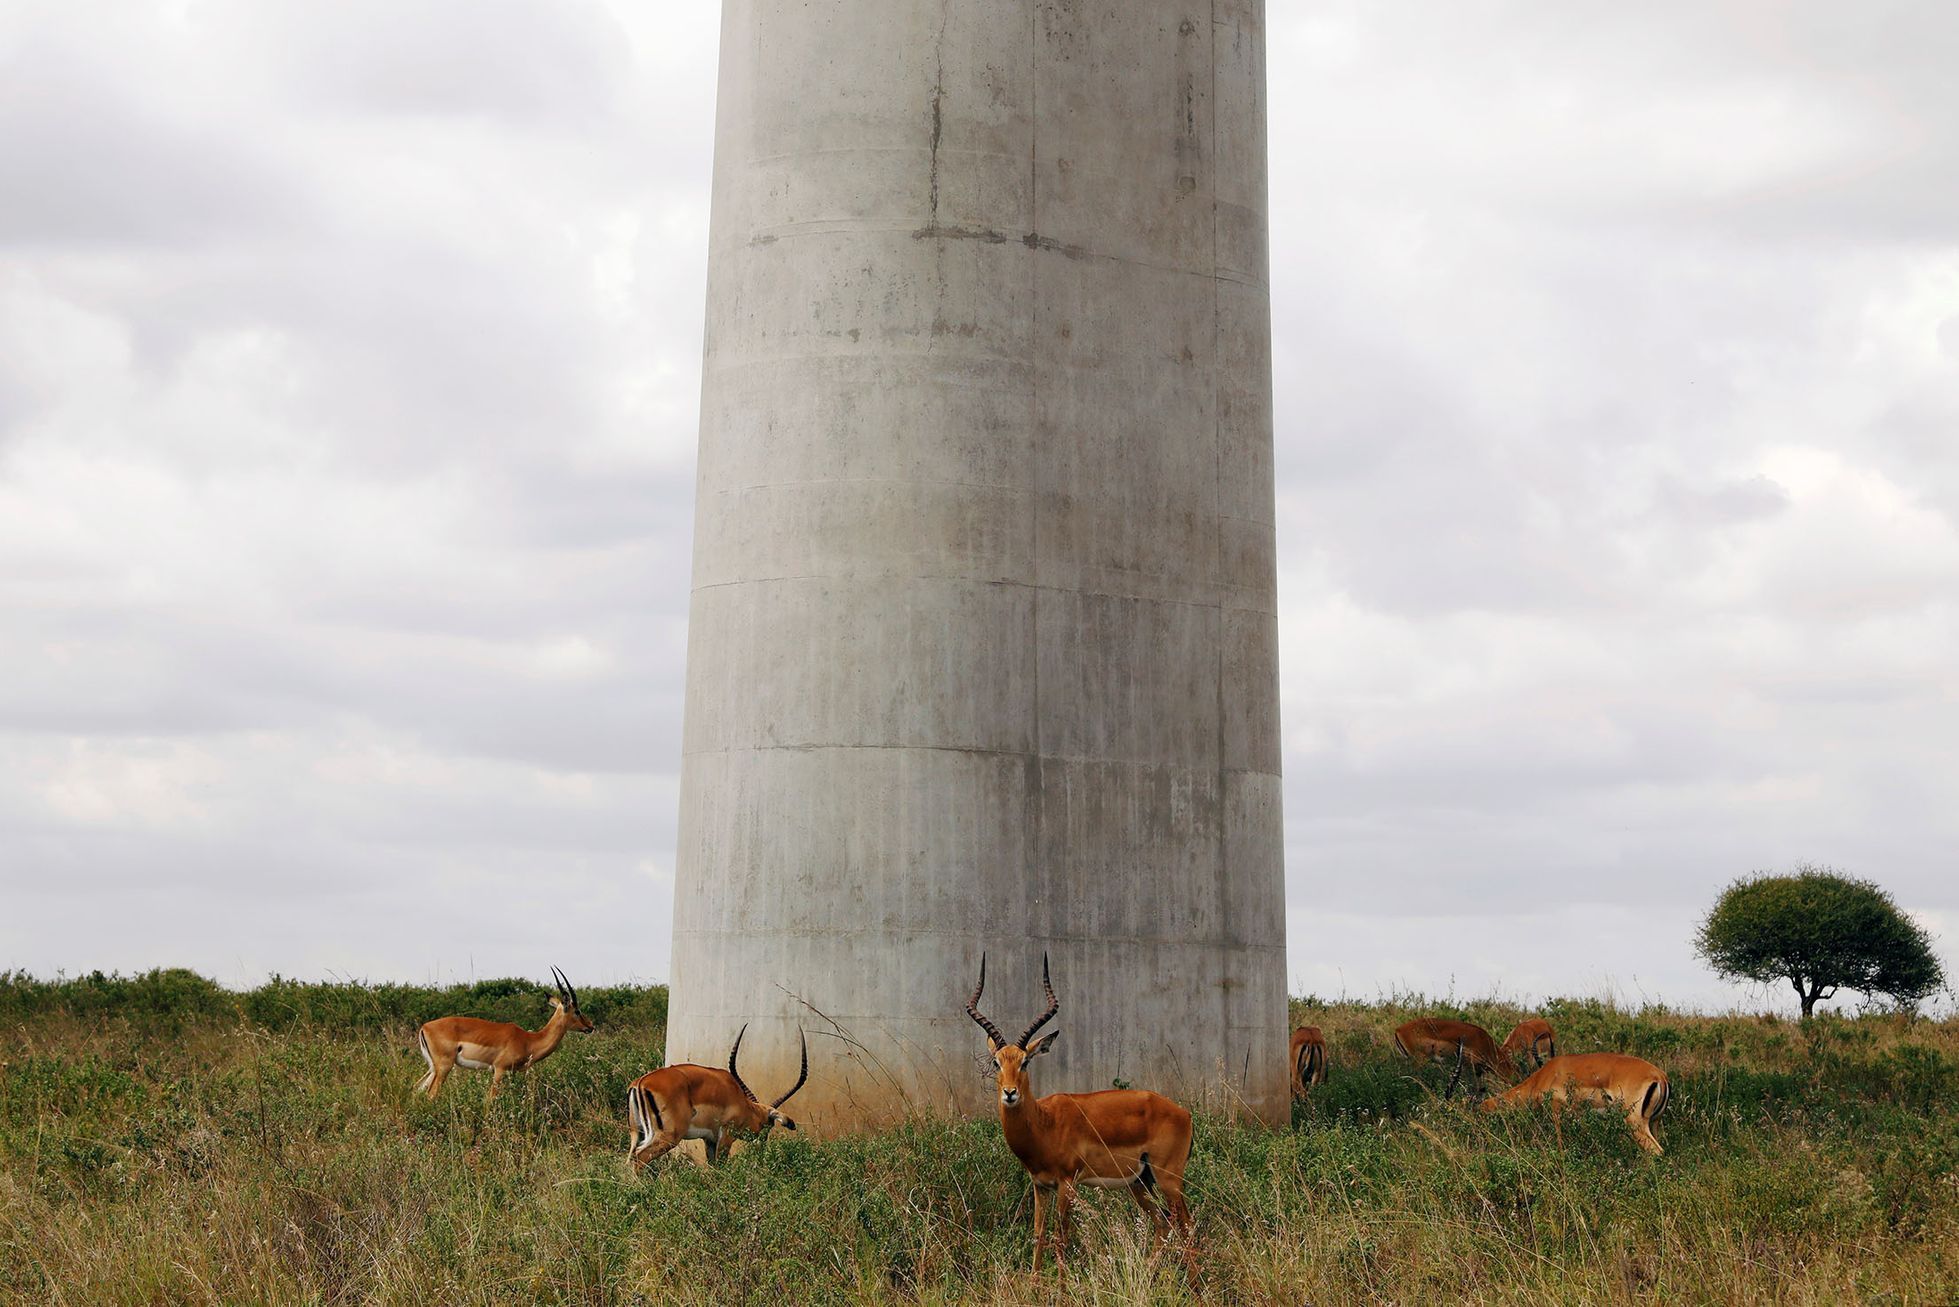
{"type": "Point", "coordinates": [153, 1153]}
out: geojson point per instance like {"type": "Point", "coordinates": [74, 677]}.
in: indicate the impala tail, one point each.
{"type": "Point", "coordinates": [1312, 1063]}
{"type": "Point", "coordinates": [1655, 1103]}
{"type": "Point", "coordinates": [643, 1110]}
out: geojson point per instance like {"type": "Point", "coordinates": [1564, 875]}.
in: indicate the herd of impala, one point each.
{"type": "Point", "coordinates": [1128, 1137]}
{"type": "Point", "coordinates": [1631, 1084]}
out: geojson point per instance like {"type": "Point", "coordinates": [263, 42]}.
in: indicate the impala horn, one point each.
{"type": "Point", "coordinates": [802, 1079]}
{"type": "Point", "coordinates": [565, 991]}
{"type": "Point", "coordinates": [732, 1054]}
{"type": "Point", "coordinates": [972, 1010]}
{"type": "Point", "coordinates": [1054, 1004]}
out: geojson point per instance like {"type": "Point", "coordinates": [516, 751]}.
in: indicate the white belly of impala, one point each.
{"type": "Point", "coordinates": [698, 1132]}
{"type": "Point", "coordinates": [1111, 1181]}
{"type": "Point", "coordinates": [472, 1063]}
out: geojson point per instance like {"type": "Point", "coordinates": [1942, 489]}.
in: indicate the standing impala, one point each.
{"type": "Point", "coordinates": [1533, 1036]}
{"type": "Point", "coordinates": [1308, 1057]}
{"type": "Point", "coordinates": [685, 1101]}
{"type": "Point", "coordinates": [449, 1042]}
{"type": "Point", "coordinates": [1598, 1080]}
{"type": "Point", "coordinates": [1437, 1039]}
{"type": "Point", "coordinates": [1111, 1137]}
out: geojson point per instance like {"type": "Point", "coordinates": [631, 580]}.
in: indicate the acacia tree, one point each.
{"type": "Point", "coordinates": [1821, 931]}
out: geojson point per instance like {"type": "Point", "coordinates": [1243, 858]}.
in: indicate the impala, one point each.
{"type": "Point", "coordinates": [449, 1042]}
{"type": "Point", "coordinates": [1532, 1036]}
{"type": "Point", "coordinates": [1308, 1060]}
{"type": "Point", "coordinates": [1597, 1080]}
{"type": "Point", "coordinates": [1437, 1039]}
{"type": "Point", "coordinates": [1111, 1137]}
{"type": "Point", "coordinates": [685, 1101]}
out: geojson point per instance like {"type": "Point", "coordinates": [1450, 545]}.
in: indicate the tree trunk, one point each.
{"type": "Point", "coordinates": [1810, 992]}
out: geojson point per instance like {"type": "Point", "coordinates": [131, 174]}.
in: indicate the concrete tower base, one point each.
{"type": "Point", "coordinates": [983, 651]}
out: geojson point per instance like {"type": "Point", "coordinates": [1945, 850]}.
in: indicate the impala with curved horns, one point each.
{"type": "Point", "coordinates": [499, 1046]}
{"type": "Point", "coordinates": [685, 1101]}
{"type": "Point", "coordinates": [1111, 1137]}
{"type": "Point", "coordinates": [1633, 1084]}
{"type": "Point", "coordinates": [1308, 1058]}
{"type": "Point", "coordinates": [1437, 1039]}
{"type": "Point", "coordinates": [1533, 1036]}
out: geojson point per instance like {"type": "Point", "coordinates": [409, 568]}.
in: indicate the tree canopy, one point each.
{"type": "Point", "coordinates": [1821, 931]}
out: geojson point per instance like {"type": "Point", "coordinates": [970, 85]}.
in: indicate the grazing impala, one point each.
{"type": "Point", "coordinates": [449, 1042]}
{"type": "Point", "coordinates": [1308, 1060]}
{"type": "Point", "coordinates": [685, 1101]}
{"type": "Point", "coordinates": [1438, 1039]}
{"type": "Point", "coordinates": [1532, 1036]}
{"type": "Point", "coordinates": [1597, 1080]}
{"type": "Point", "coordinates": [1112, 1137]}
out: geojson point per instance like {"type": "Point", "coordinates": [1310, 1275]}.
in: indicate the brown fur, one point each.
{"type": "Point", "coordinates": [498, 1045]}
{"type": "Point", "coordinates": [1438, 1039]}
{"type": "Point", "coordinates": [685, 1101]}
{"type": "Point", "coordinates": [1532, 1037]}
{"type": "Point", "coordinates": [1599, 1080]}
{"type": "Point", "coordinates": [1307, 1056]}
{"type": "Point", "coordinates": [1110, 1137]}
{"type": "Point", "coordinates": [1064, 1140]}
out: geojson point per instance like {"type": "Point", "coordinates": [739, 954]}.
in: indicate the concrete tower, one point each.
{"type": "Point", "coordinates": [983, 646]}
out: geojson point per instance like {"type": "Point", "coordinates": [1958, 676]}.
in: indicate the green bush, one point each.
{"type": "Point", "coordinates": [174, 999]}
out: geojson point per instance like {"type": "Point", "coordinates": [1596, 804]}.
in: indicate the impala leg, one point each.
{"type": "Point", "coordinates": [1643, 1133]}
{"type": "Point", "coordinates": [428, 1058]}
{"type": "Point", "coordinates": [496, 1083]}
{"type": "Point", "coordinates": [654, 1149]}
{"type": "Point", "coordinates": [1139, 1189]}
{"type": "Point", "coordinates": [1450, 1092]}
{"type": "Point", "coordinates": [1040, 1225]}
{"type": "Point", "coordinates": [1173, 1199]}
{"type": "Point", "coordinates": [1064, 1206]}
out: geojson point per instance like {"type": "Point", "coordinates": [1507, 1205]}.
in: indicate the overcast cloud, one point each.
{"type": "Point", "coordinates": [348, 387]}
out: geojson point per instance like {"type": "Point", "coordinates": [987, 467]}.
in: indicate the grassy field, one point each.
{"type": "Point", "coordinates": [163, 1141]}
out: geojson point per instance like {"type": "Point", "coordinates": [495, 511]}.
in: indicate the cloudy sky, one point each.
{"type": "Point", "coordinates": [348, 384]}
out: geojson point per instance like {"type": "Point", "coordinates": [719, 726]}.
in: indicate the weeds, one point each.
{"type": "Point", "coordinates": [166, 1141]}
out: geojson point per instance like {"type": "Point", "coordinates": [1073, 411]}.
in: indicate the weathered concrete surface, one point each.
{"type": "Point", "coordinates": [983, 648]}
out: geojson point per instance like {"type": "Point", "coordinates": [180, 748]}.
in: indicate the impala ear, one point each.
{"type": "Point", "coordinates": [1047, 1042]}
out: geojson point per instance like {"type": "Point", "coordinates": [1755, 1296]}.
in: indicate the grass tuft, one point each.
{"type": "Point", "coordinates": [166, 1141]}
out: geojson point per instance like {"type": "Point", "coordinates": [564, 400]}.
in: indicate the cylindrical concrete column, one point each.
{"type": "Point", "coordinates": [983, 652]}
